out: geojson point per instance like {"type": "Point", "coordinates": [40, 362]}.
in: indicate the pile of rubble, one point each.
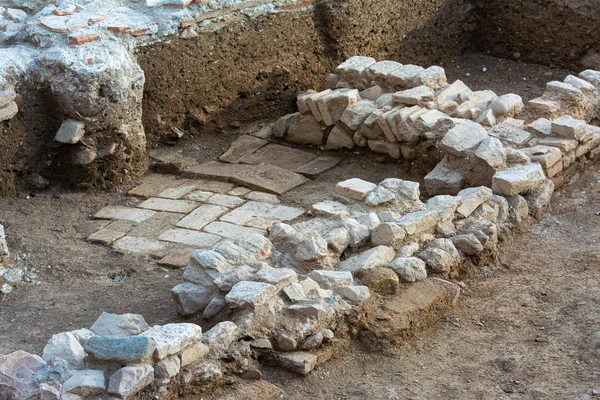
{"type": "Point", "coordinates": [120, 356]}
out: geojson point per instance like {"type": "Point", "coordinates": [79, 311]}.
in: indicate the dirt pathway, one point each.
{"type": "Point", "coordinates": [529, 329]}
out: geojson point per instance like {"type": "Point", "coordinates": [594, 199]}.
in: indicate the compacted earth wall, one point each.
{"type": "Point", "coordinates": [243, 59]}
{"type": "Point", "coordinates": [550, 32]}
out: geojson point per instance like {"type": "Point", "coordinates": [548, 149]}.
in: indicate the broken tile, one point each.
{"type": "Point", "coordinates": [280, 156]}
{"type": "Point", "coordinates": [241, 147]}
{"type": "Point", "coordinates": [264, 177]}
{"type": "Point", "coordinates": [318, 165]}
{"type": "Point", "coordinates": [180, 189]}
{"type": "Point", "coordinates": [263, 197]}
{"type": "Point", "coordinates": [177, 258]}
{"type": "Point", "coordinates": [171, 155]}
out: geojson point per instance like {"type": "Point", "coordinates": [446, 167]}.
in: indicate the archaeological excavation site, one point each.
{"type": "Point", "coordinates": [299, 199]}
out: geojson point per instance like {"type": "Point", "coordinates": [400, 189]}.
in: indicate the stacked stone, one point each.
{"type": "Point", "coordinates": [386, 226]}
{"type": "Point", "coordinates": [119, 356]}
{"type": "Point", "coordinates": [298, 308]}
{"type": "Point", "coordinates": [577, 96]}
{"type": "Point", "coordinates": [390, 108]}
{"type": "Point", "coordinates": [8, 106]}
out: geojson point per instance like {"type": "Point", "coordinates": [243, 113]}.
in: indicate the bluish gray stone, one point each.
{"type": "Point", "coordinates": [124, 349]}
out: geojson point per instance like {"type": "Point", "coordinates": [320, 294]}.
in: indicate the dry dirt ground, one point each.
{"type": "Point", "coordinates": [523, 330]}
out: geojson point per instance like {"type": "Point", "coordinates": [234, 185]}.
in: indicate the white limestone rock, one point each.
{"type": "Point", "coordinates": [250, 294]}
{"type": "Point", "coordinates": [219, 337]}
{"type": "Point", "coordinates": [388, 234]}
{"type": "Point", "coordinates": [409, 269]}
{"type": "Point", "coordinates": [354, 294]}
{"type": "Point", "coordinates": [354, 188]}
{"type": "Point", "coordinates": [66, 346]}
{"type": "Point", "coordinates": [328, 279]}
{"type": "Point", "coordinates": [172, 338]}
{"type": "Point", "coordinates": [471, 198]}
{"type": "Point", "coordinates": [418, 222]}
{"type": "Point", "coordinates": [376, 257]}
{"type": "Point", "coordinates": [119, 325]}
{"type": "Point", "coordinates": [127, 381]}
{"type": "Point", "coordinates": [517, 180]}
{"type": "Point", "coordinates": [462, 138]}
{"type": "Point", "coordinates": [312, 248]}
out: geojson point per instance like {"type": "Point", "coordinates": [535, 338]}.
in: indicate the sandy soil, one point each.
{"type": "Point", "coordinates": [524, 330]}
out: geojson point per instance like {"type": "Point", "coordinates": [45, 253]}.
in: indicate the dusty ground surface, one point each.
{"type": "Point", "coordinates": [523, 330]}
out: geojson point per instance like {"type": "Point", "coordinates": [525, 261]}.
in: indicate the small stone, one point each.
{"type": "Point", "coordinates": [358, 232]}
{"type": "Point", "coordinates": [64, 345]}
{"type": "Point", "coordinates": [376, 257]}
{"type": "Point", "coordinates": [463, 137]}
{"type": "Point", "coordinates": [285, 342]}
{"type": "Point", "coordinates": [516, 157]}
{"type": "Point", "coordinates": [379, 196]}
{"type": "Point", "coordinates": [316, 308]}
{"type": "Point", "coordinates": [339, 139]}
{"type": "Point", "coordinates": [18, 371]}
{"type": "Point", "coordinates": [408, 250]}
{"type": "Point", "coordinates": [172, 338]}
{"type": "Point", "coordinates": [508, 104]}
{"type": "Point", "coordinates": [167, 369]}
{"type": "Point", "coordinates": [409, 269]}
{"type": "Point", "coordinates": [298, 362]}
{"type": "Point", "coordinates": [445, 206]}
{"type": "Point", "coordinates": [569, 127]}
{"type": "Point", "coordinates": [119, 325]}
{"type": "Point", "coordinates": [88, 382]}
{"type": "Point", "coordinates": [250, 294]}
{"type": "Point", "coordinates": [330, 279]}
{"type": "Point", "coordinates": [491, 152]}
{"type": "Point", "coordinates": [443, 180]}
{"type": "Point", "coordinates": [191, 298]}
{"type": "Point", "coordinates": [354, 188]}
{"type": "Point", "coordinates": [388, 234]}
{"type": "Point", "coordinates": [193, 353]}
{"type": "Point", "coordinates": [312, 248]}
{"type": "Point", "coordinates": [468, 244]}
{"type": "Point", "coordinates": [261, 344]}
{"type": "Point", "coordinates": [540, 198]}
{"type": "Point", "coordinates": [278, 277]}
{"type": "Point", "coordinates": [383, 281]}
{"type": "Point", "coordinates": [445, 229]}
{"type": "Point", "coordinates": [127, 381]}
{"type": "Point", "coordinates": [294, 292]}
{"type": "Point", "coordinates": [215, 306]}
{"type": "Point", "coordinates": [353, 294]}
{"type": "Point", "coordinates": [338, 239]}
{"type": "Point", "coordinates": [48, 392]}
{"type": "Point", "coordinates": [418, 222]}
{"type": "Point", "coordinates": [313, 341]}
{"type": "Point", "coordinates": [516, 180]}
{"type": "Point", "coordinates": [70, 132]}
{"type": "Point", "coordinates": [414, 96]}
{"type": "Point", "coordinates": [471, 198]}
{"type": "Point", "coordinates": [220, 336]}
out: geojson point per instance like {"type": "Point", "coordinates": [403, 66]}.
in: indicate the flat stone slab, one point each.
{"type": "Point", "coordinates": [242, 147]}
{"type": "Point", "coordinates": [265, 177]}
{"type": "Point", "coordinates": [126, 213]}
{"type": "Point", "coordinates": [175, 206]}
{"type": "Point", "coordinates": [111, 232]}
{"type": "Point", "coordinates": [170, 155]}
{"type": "Point", "coordinates": [152, 185]}
{"type": "Point", "coordinates": [318, 165]}
{"type": "Point", "coordinates": [155, 225]}
{"type": "Point", "coordinates": [176, 258]}
{"type": "Point", "coordinates": [202, 216]}
{"type": "Point", "coordinates": [280, 156]}
{"type": "Point", "coordinates": [418, 297]}
{"type": "Point", "coordinates": [231, 231]}
{"type": "Point", "coordinates": [189, 238]}
{"type": "Point", "coordinates": [141, 246]}
{"type": "Point", "coordinates": [254, 210]}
